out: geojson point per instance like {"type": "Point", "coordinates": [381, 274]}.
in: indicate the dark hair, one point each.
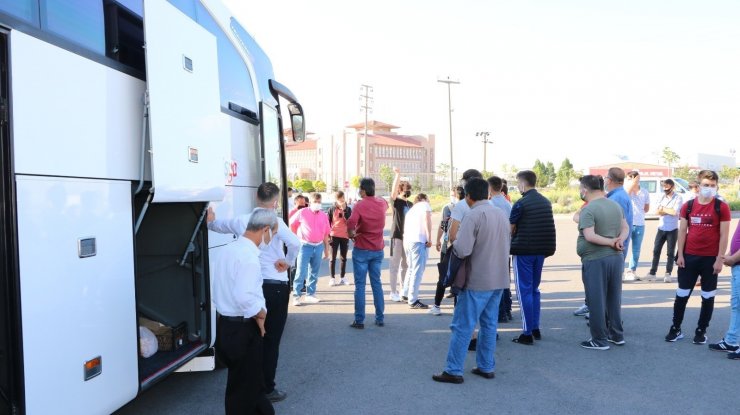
{"type": "Point", "coordinates": [616, 175]}
{"type": "Point", "coordinates": [496, 183]}
{"type": "Point", "coordinates": [693, 184]}
{"type": "Point", "coordinates": [633, 174]}
{"type": "Point", "coordinates": [460, 192]}
{"type": "Point", "coordinates": [470, 173]}
{"type": "Point", "coordinates": [477, 189]}
{"type": "Point", "coordinates": [267, 192]}
{"type": "Point", "coordinates": [298, 197]}
{"type": "Point", "coordinates": [669, 182]}
{"type": "Point", "coordinates": [339, 194]}
{"type": "Point", "coordinates": [290, 189]}
{"type": "Point", "coordinates": [504, 187]}
{"type": "Point", "coordinates": [368, 185]}
{"type": "Point", "coordinates": [528, 176]}
{"type": "Point", "coordinates": [305, 198]}
{"type": "Point", "coordinates": [591, 182]}
{"type": "Point", "coordinates": [421, 197]}
{"type": "Point", "coordinates": [707, 174]}
{"type": "Point", "coordinates": [316, 196]}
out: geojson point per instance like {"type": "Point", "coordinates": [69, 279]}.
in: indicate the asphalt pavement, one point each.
{"type": "Point", "coordinates": [328, 368]}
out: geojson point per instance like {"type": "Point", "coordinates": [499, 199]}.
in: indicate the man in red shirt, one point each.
{"type": "Point", "coordinates": [365, 227]}
{"type": "Point", "coordinates": [702, 242]}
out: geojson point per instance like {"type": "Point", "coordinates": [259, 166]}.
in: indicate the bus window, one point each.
{"type": "Point", "coordinates": [23, 9]}
{"type": "Point", "coordinates": [134, 6]}
{"type": "Point", "coordinates": [233, 75]}
{"type": "Point", "coordinates": [80, 21]}
{"type": "Point", "coordinates": [271, 145]}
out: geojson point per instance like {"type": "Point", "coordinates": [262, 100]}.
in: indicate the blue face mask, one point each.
{"type": "Point", "coordinates": [708, 192]}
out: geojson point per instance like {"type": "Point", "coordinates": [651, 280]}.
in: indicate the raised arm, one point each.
{"type": "Point", "coordinates": [396, 181]}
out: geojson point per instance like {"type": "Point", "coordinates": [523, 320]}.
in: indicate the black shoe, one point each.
{"type": "Point", "coordinates": [508, 316]}
{"type": "Point", "coordinates": [674, 333]}
{"type": "Point", "coordinates": [487, 375]}
{"type": "Point", "coordinates": [734, 355]}
{"type": "Point", "coordinates": [700, 336]}
{"type": "Point", "coordinates": [418, 305]}
{"type": "Point", "coordinates": [594, 345]}
{"type": "Point", "coordinates": [445, 377]}
{"type": "Point", "coordinates": [276, 396]}
{"type": "Point", "coordinates": [356, 325]}
{"type": "Point", "coordinates": [502, 318]}
{"type": "Point", "coordinates": [405, 298]}
{"type": "Point", "coordinates": [524, 339]}
{"type": "Point", "coordinates": [536, 334]}
{"type": "Point", "coordinates": [472, 345]}
{"type": "Point", "coordinates": [451, 295]}
{"type": "Point", "coordinates": [379, 323]}
{"type": "Point", "coordinates": [723, 346]}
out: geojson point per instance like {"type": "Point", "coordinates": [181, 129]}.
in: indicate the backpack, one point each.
{"type": "Point", "coordinates": [690, 205]}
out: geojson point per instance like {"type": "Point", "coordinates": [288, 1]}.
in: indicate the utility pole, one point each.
{"type": "Point", "coordinates": [449, 82]}
{"type": "Point", "coordinates": [367, 102]}
{"type": "Point", "coordinates": [485, 135]}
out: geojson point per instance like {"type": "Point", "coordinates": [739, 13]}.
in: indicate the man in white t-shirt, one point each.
{"type": "Point", "coordinates": [417, 238]}
{"type": "Point", "coordinates": [640, 199]}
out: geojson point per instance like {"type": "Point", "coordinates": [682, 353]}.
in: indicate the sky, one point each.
{"type": "Point", "coordinates": [591, 80]}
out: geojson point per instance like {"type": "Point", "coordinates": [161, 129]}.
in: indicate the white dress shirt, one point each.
{"type": "Point", "coordinates": [273, 252]}
{"type": "Point", "coordinates": [237, 280]}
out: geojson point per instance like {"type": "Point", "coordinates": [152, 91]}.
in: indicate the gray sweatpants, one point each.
{"type": "Point", "coordinates": [398, 260]}
{"type": "Point", "coordinates": [602, 279]}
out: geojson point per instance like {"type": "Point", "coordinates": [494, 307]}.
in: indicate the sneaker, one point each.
{"type": "Point", "coordinates": [629, 276]}
{"type": "Point", "coordinates": [276, 396]}
{"type": "Point", "coordinates": [723, 346]}
{"type": "Point", "coordinates": [581, 311]}
{"type": "Point", "coordinates": [395, 297]}
{"type": "Point", "coordinates": [651, 277]}
{"type": "Point", "coordinates": [593, 345]}
{"type": "Point", "coordinates": [667, 278]}
{"type": "Point", "coordinates": [734, 355]}
{"type": "Point", "coordinates": [332, 282]}
{"type": "Point", "coordinates": [404, 298]}
{"type": "Point", "coordinates": [617, 342]}
{"type": "Point", "coordinates": [700, 336]}
{"type": "Point", "coordinates": [310, 299]}
{"type": "Point", "coordinates": [636, 276]}
{"type": "Point", "coordinates": [356, 325]}
{"type": "Point", "coordinates": [674, 334]}
{"type": "Point", "coordinates": [537, 334]}
{"type": "Point", "coordinates": [435, 311]}
{"type": "Point", "coordinates": [418, 305]}
{"type": "Point", "coordinates": [297, 301]}
{"type": "Point", "coordinates": [343, 281]}
{"type": "Point", "coordinates": [379, 323]}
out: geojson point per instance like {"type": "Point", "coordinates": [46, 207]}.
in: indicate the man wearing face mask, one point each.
{"type": "Point", "coordinates": [702, 243]}
{"type": "Point", "coordinates": [401, 205]}
{"type": "Point", "coordinates": [640, 199]}
{"type": "Point", "coordinates": [242, 311]}
{"type": "Point", "coordinates": [669, 207]}
{"type": "Point", "coordinates": [274, 265]}
{"type": "Point", "coordinates": [313, 231]}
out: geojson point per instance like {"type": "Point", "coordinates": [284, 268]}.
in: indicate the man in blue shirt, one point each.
{"type": "Point", "coordinates": [614, 185]}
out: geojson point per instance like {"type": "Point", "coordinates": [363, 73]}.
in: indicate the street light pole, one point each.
{"type": "Point", "coordinates": [366, 107]}
{"type": "Point", "coordinates": [485, 135]}
{"type": "Point", "coordinates": [449, 82]}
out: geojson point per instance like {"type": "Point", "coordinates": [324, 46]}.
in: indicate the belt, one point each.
{"type": "Point", "coordinates": [234, 319]}
{"type": "Point", "coordinates": [274, 282]}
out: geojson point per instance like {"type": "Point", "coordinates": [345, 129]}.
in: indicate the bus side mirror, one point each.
{"type": "Point", "coordinates": [297, 122]}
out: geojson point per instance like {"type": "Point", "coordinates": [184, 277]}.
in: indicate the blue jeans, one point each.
{"type": "Point", "coordinates": [308, 255]}
{"type": "Point", "coordinates": [474, 307]}
{"type": "Point", "coordinates": [528, 275]}
{"type": "Point", "coordinates": [638, 232]}
{"type": "Point", "coordinates": [416, 255]}
{"type": "Point", "coordinates": [732, 332]}
{"type": "Point", "coordinates": [364, 261]}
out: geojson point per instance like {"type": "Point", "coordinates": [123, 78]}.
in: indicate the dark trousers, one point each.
{"type": "Point", "coordinates": [602, 279]}
{"type": "Point", "coordinates": [660, 239]}
{"type": "Point", "coordinates": [439, 294]}
{"type": "Point", "coordinates": [341, 244]}
{"type": "Point", "coordinates": [239, 345]}
{"type": "Point", "coordinates": [277, 297]}
{"type": "Point", "coordinates": [504, 306]}
{"type": "Point", "coordinates": [696, 266]}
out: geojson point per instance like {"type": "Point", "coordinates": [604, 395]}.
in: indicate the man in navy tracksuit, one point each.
{"type": "Point", "coordinates": [532, 240]}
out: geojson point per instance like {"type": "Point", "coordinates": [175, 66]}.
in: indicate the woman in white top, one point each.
{"type": "Point", "coordinates": [417, 238]}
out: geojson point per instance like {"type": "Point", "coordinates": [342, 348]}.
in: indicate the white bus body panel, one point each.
{"type": "Point", "coordinates": [189, 133]}
{"type": "Point", "coordinates": [75, 309]}
{"type": "Point", "coordinates": [67, 109]}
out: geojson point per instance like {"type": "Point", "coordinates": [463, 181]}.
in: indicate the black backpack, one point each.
{"type": "Point", "coordinates": [717, 207]}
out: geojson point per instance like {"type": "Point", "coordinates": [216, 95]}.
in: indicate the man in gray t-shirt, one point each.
{"type": "Point", "coordinates": [602, 230]}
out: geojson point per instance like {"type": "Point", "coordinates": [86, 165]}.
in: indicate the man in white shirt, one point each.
{"type": "Point", "coordinates": [640, 199]}
{"type": "Point", "coordinates": [237, 295]}
{"type": "Point", "coordinates": [274, 265]}
{"type": "Point", "coordinates": [417, 238]}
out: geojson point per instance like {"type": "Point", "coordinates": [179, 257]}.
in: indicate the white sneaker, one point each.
{"type": "Point", "coordinates": [297, 301]}
{"type": "Point", "coordinates": [636, 276]}
{"type": "Point", "coordinates": [435, 311]}
{"type": "Point", "coordinates": [667, 278]}
{"type": "Point", "coordinates": [343, 281]}
{"type": "Point", "coordinates": [395, 297]}
{"type": "Point", "coordinates": [628, 276]}
{"type": "Point", "coordinates": [310, 299]}
{"type": "Point", "coordinates": [651, 277]}
{"type": "Point", "coordinates": [332, 282]}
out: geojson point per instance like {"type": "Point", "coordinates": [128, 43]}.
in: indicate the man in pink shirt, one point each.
{"type": "Point", "coordinates": [365, 227]}
{"type": "Point", "coordinates": [313, 231]}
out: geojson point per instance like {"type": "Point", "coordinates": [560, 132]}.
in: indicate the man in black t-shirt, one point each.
{"type": "Point", "coordinates": [401, 205]}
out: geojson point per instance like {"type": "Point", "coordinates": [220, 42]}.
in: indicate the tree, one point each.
{"type": "Point", "coordinates": [729, 174]}
{"type": "Point", "coordinates": [319, 185]}
{"type": "Point", "coordinates": [486, 174]}
{"type": "Point", "coordinates": [550, 173]}
{"type": "Point", "coordinates": [684, 172]}
{"type": "Point", "coordinates": [565, 174]}
{"type": "Point", "coordinates": [670, 157]}
{"type": "Point", "coordinates": [304, 185]}
{"type": "Point", "coordinates": [540, 170]}
{"type": "Point", "coordinates": [290, 184]}
{"type": "Point", "coordinates": [355, 181]}
{"type": "Point", "coordinates": [443, 170]}
{"type": "Point", "coordinates": [387, 176]}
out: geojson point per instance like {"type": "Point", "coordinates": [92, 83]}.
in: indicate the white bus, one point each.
{"type": "Point", "coordinates": [120, 120]}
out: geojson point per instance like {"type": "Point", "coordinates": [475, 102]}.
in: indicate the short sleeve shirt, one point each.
{"type": "Point", "coordinates": [703, 227]}
{"type": "Point", "coordinates": [639, 200]}
{"type": "Point", "coordinates": [415, 222]}
{"type": "Point", "coordinates": [605, 216]}
{"type": "Point", "coordinates": [400, 207]}
{"type": "Point", "coordinates": [460, 210]}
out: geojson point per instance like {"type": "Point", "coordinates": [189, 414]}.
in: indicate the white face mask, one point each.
{"type": "Point", "coordinates": [315, 207]}
{"type": "Point", "coordinates": [708, 192]}
{"type": "Point", "coordinates": [263, 244]}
